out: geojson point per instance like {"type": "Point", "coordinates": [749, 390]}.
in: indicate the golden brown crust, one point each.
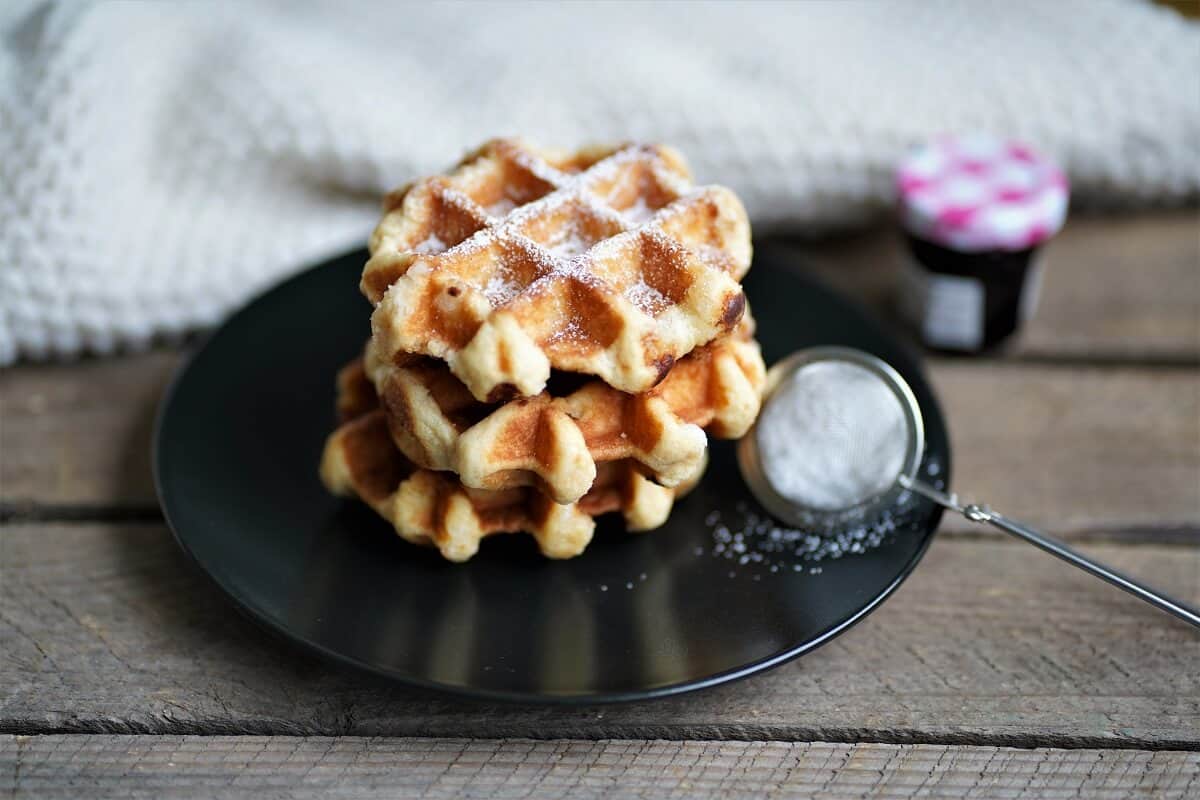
{"type": "Point", "coordinates": [433, 508]}
{"type": "Point", "coordinates": [557, 442]}
{"type": "Point", "coordinates": [607, 262]}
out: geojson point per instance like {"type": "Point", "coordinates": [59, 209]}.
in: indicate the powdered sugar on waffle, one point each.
{"type": "Point", "coordinates": [500, 288]}
{"type": "Point", "coordinates": [572, 330]}
{"type": "Point", "coordinates": [569, 244]}
{"type": "Point", "coordinates": [646, 298]}
{"type": "Point", "coordinates": [457, 198]}
{"type": "Point", "coordinates": [537, 167]}
{"type": "Point", "coordinates": [715, 257]}
{"type": "Point", "coordinates": [566, 254]}
{"type": "Point", "coordinates": [639, 212]}
{"type": "Point", "coordinates": [535, 262]}
{"type": "Point", "coordinates": [506, 218]}
{"type": "Point", "coordinates": [501, 208]}
{"type": "Point", "coordinates": [431, 244]}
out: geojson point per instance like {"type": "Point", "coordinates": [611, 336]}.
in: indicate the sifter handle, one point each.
{"type": "Point", "coordinates": [983, 514]}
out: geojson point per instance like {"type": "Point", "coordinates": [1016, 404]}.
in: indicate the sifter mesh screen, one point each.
{"type": "Point", "coordinates": [833, 436]}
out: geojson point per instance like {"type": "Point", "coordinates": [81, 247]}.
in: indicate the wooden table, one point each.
{"type": "Point", "coordinates": [994, 671]}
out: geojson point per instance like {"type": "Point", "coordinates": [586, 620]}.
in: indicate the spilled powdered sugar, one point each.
{"type": "Point", "coordinates": [747, 536]}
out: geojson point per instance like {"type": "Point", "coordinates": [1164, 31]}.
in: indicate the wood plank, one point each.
{"type": "Point", "coordinates": [227, 766]}
{"type": "Point", "coordinates": [1079, 450]}
{"type": "Point", "coordinates": [80, 433]}
{"type": "Point", "coordinates": [105, 628]}
{"type": "Point", "coordinates": [1101, 451]}
{"type": "Point", "coordinates": [1116, 287]}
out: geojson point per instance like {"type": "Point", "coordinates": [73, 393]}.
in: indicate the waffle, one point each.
{"type": "Point", "coordinates": [432, 508]}
{"type": "Point", "coordinates": [555, 442]}
{"type": "Point", "coordinates": [606, 262]}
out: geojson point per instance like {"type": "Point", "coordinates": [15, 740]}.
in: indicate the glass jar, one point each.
{"type": "Point", "coordinates": [976, 211]}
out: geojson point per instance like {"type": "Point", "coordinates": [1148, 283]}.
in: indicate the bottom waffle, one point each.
{"type": "Point", "coordinates": [433, 508]}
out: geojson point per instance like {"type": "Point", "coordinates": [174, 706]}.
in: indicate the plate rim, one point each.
{"type": "Point", "coordinates": [276, 628]}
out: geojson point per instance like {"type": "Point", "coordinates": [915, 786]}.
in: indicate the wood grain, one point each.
{"type": "Point", "coordinates": [270, 767]}
{"type": "Point", "coordinates": [1116, 288]}
{"type": "Point", "coordinates": [79, 434]}
{"type": "Point", "coordinates": [105, 629]}
{"type": "Point", "coordinates": [1079, 450]}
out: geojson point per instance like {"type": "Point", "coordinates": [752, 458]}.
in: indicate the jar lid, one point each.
{"type": "Point", "coordinates": [974, 193]}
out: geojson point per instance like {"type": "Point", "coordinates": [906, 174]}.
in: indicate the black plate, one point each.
{"type": "Point", "coordinates": [239, 436]}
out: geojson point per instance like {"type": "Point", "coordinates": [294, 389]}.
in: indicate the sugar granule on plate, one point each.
{"type": "Point", "coordinates": [833, 436]}
{"type": "Point", "coordinates": [751, 538]}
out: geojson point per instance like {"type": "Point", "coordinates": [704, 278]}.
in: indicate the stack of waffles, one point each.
{"type": "Point", "coordinates": [555, 336]}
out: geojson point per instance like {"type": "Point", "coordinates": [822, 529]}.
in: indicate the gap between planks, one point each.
{"type": "Point", "coordinates": [104, 766]}
{"type": "Point", "coordinates": [550, 731]}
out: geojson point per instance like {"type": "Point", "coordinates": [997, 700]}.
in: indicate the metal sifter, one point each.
{"type": "Point", "coordinates": [841, 437]}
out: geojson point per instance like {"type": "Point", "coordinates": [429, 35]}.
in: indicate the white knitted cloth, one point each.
{"type": "Point", "coordinates": [160, 163]}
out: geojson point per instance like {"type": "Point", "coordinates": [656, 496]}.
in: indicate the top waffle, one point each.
{"type": "Point", "coordinates": [606, 262]}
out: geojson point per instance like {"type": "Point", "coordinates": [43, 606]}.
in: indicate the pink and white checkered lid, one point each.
{"type": "Point", "coordinates": [975, 193]}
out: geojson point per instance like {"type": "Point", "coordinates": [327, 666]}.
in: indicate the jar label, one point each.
{"type": "Point", "coordinates": [947, 309]}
